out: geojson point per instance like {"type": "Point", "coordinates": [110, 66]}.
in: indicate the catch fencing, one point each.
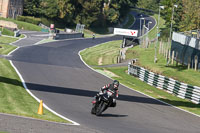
{"type": "Point", "coordinates": [186, 49]}
{"type": "Point", "coordinates": [181, 90]}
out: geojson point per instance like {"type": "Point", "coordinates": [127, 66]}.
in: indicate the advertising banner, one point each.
{"type": "Point", "coordinates": [125, 32]}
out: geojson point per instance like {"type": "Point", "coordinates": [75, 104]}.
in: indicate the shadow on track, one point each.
{"type": "Point", "coordinates": [90, 93]}
{"type": "Point", "coordinates": [112, 115]}
{"type": "Point", "coordinates": [77, 92]}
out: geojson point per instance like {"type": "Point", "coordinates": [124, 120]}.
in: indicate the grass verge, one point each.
{"type": "Point", "coordinates": [135, 83]}
{"type": "Point", "coordinates": [6, 40]}
{"type": "Point", "coordinates": [103, 54]}
{"type": "Point", "coordinates": [13, 97]}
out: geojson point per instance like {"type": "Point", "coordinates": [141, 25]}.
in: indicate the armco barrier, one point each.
{"type": "Point", "coordinates": [181, 90]}
{"type": "Point", "coordinates": [60, 36]}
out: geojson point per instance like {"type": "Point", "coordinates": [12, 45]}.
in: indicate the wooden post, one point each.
{"type": "Point", "coordinates": [172, 58]}
{"type": "Point", "coordinates": [166, 53]}
{"type": "Point", "coordinates": [163, 47]}
{"type": "Point", "coordinates": [189, 61]}
{"type": "Point", "coordinates": [177, 58]}
{"type": "Point", "coordinates": [160, 48]}
{"type": "Point", "coordinates": [163, 51]}
{"type": "Point", "coordinates": [169, 43]}
{"type": "Point", "coordinates": [196, 61]}
{"type": "Point", "coordinates": [169, 55]}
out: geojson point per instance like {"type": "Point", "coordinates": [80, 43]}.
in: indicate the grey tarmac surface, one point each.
{"type": "Point", "coordinates": [137, 23]}
{"type": "Point", "coordinates": [32, 37]}
{"type": "Point", "coordinates": [16, 124]}
{"type": "Point", "coordinates": [54, 73]}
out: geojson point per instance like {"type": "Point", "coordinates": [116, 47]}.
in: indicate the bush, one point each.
{"type": "Point", "coordinates": [29, 19]}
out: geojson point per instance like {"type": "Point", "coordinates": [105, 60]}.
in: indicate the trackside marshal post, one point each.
{"type": "Point", "coordinates": [125, 32]}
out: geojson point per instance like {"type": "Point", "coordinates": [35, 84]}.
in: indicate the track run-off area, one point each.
{"type": "Point", "coordinates": [55, 73]}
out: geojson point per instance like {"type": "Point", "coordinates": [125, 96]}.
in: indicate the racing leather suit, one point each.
{"type": "Point", "coordinates": [114, 91]}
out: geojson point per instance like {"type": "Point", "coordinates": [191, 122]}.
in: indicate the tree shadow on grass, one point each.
{"type": "Point", "coordinates": [10, 81]}
{"type": "Point", "coordinates": [178, 68]}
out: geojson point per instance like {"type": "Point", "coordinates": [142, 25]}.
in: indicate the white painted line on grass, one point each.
{"type": "Point", "coordinates": [37, 99]}
{"type": "Point", "coordinates": [132, 88]}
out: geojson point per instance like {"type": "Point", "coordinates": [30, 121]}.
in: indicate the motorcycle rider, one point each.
{"type": "Point", "coordinates": [113, 88]}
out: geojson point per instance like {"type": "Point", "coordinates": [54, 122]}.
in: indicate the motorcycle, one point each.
{"type": "Point", "coordinates": [101, 102]}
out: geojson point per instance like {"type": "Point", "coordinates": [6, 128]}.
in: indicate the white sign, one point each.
{"type": "Point", "coordinates": [125, 32]}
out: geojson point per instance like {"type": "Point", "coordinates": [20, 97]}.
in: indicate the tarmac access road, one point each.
{"type": "Point", "coordinates": [55, 73]}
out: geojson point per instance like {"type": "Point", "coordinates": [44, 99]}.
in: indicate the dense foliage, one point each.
{"type": "Point", "coordinates": [186, 16]}
{"type": "Point", "coordinates": [88, 12]}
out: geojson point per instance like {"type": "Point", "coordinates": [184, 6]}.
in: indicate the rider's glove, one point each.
{"type": "Point", "coordinates": [100, 93]}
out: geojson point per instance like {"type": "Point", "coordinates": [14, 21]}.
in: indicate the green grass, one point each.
{"type": "Point", "coordinates": [179, 72]}
{"type": "Point", "coordinates": [14, 99]}
{"type": "Point", "coordinates": [106, 52]}
{"type": "Point", "coordinates": [7, 40]}
{"type": "Point", "coordinates": [147, 61]}
{"type": "Point", "coordinates": [23, 25]}
{"type": "Point", "coordinates": [140, 86]}
{"type": "Point", "coordinates": [5, 31]}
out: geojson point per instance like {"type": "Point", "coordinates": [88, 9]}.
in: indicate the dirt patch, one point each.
{"type": "Point", "coordinates": [100, 61]}
{"type": "Point", "coordinates": [161, 97]}
{"type": "Point", "coordinates": [149, 91]}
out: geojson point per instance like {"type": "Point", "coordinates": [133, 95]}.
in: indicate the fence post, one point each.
{"type": "Point", "coordinates": [196, 61]}
{"type": "Point", "coordinates": [189, 60]}
{"type": "Point", "coordinates": [177, 58]}
{"type": "Point", "coordinates": [163, 47]}
{"type": "Point", "coordinates": [169, 56]}
{"type": "Point", "coordinates": [172, 58]}
{"type": "Point", "coordinates": [166, 53]}
{"type": "Point", "coordinates": [160, 47]}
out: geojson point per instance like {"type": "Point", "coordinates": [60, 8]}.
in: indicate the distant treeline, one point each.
{"type": "Point", "coordinates": [88, 12]}
{"type": "Point", "coordinates": [186, 15]}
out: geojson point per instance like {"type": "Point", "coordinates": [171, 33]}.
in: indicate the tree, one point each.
{"type": "Point", "coordinates": [148, 4]}
{"type": "Point", "coordinates": [191, 15]}
{"type": "Point", "coordinates": [32, 7]}
{"type": "Point", "coordinates": [88, 12]}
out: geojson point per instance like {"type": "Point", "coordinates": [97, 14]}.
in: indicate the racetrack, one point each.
{"type": "Point", "coordinates": [55, 73]}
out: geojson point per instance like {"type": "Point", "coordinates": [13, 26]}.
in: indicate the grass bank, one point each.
{"type": "Point", "coordinates": [178, 72]}
{"type": "Point", "coordinates": [23, 25]}
{"type": "Point", "coordinates": [13, 97]}
{"type": "Point", "coordinates": [132, 82]}
{"type": "Point", "coordinates": [103, 54]}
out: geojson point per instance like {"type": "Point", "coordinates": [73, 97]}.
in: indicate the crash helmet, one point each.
{"type": "Point", "coordinates": [115, 82]}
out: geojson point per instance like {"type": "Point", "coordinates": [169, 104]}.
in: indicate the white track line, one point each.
{"type": "Point", "coordinates": [37, 99]}
{"type": "Point", "coordinates": [132, 88]}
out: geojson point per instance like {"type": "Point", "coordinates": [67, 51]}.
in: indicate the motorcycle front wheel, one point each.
{"type": "Point", "coordinates": [100, 108]}
{"type": "Point", "coordinates": [93, 110]}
